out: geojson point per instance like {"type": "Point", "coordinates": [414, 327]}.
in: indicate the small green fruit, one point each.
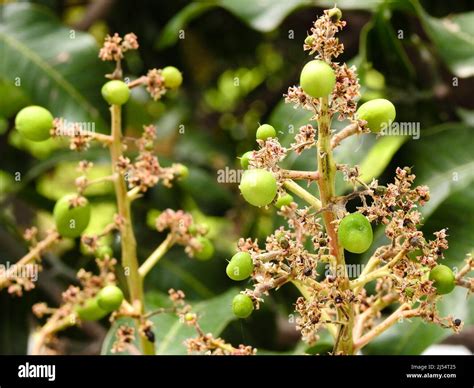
{"type": "Point", "coordinates": [317, 79]}
{"type": "Point", "coordinates": [71, 221]}
{"type": "Point", "coordinates": [409, 291]}
{"type": "Point", "coordinates": [355, 233]}
{"type": "Point", "coordinates": [207, 250]}
{"type": "Point", "coordinates": [375, 80]}
{"type": "Point", "coordinates": [309, 40]}
{"type": "Point", "coordinates": [283, 200]}
{"type": "Point", "coordinates": [443, 279]}
{"type": "Point", "coordinates": [258, 187]}
{"type": "Point", "coordinates": [183, 171]}
{"type": "Point", "coordinates": [90, 310]}
{"type": "Point", "coordinates": [172, 76]}
{"type": "Point", "coordinates": [104, 251]}
{"type": "Point", "coordinates": [34, 123]}
{"type": "Point", "coordinates": [244, 160]}
{"type": "Point", "coordinates": [265, 131]}
{"type": "Point", "coordinates": [240, 267]}
{"type": "Point", "coordinates": [378, 113]}
{"type": "Point", "coordinates": [335, 14]}
{"type": "Point", "coordinates": [116, 92]}
{"type": "Point", "coordinates": [193, 230]}
{"type": "Point", "coordinates": [110, 298]}
{"type": "Point", "coordinates": [242, 306]}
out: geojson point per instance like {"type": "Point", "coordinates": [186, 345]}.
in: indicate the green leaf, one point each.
{"type": "Point", "coordinates": [380, 156]}
{"type": "Point", "coordinates": [57, 67]}
{"type": "Point", "coordinates": [170, 333]}
{"type": "Point", "coordinates": [61, 181]}
{"type": "Point", "coordinates": [453, 38]}
{"type": "Point", "coordinates": [442, 161]}
{"type": "Point", "coordinates": [385, 50]}
{"type": "Point", "coordinates": [262, 15]}
{"type": "Point", "coordinates": [170, 33]}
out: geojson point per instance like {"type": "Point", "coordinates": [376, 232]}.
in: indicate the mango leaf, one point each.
{"type": "Point", "coordinates": [61, 181]}
{"type": "Point", "coordinates": [178, 22]}
{"type": "Point", "coordinates": [380, 156]}
{"type": "Point", "coordinates": [262, 15]}
{"type": "Point", "coordinates": [453, 38]}
{"type": "Point", "coordinates": [443, 161]}
{"type": "Point", "coordinates": [57, 67]}
{"type": "Point", "coordinates": [385, 50]}
{"type": "Point", "coordinates": [214, 315]}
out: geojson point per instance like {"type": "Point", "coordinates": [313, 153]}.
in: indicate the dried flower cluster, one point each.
{"type": "Point", "coordinates": [114, 46]}
{"type": "Point", "coordinates": [85, 299]}
{"type": "Point", "coordinates": [113, 50]}
{"type": "Point", "coordinates": [204, 343]}
{"type": "Point", "coordinates": [330, 299]}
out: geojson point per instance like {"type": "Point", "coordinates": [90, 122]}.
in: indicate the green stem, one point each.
{"type": "Point", "coordinates": [155, 257]}
{"type": "Point", "coordinates": [296, 189]}
{"type": "Point", "coordinates": [362, 280]}
{"type": "Point", "coordinates": [327, 190]}
{"type": "Point", "coordinates": [128, 241]}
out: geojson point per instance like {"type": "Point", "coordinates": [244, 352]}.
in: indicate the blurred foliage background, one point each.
{"type": "Point", "coordinates": [238, 57]}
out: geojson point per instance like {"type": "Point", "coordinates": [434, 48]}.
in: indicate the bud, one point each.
{"type": "Point", "coordinates": [335, 14]}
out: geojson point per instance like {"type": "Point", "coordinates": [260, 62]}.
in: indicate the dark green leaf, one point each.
{"type": "Point", "coordinates": [55, 66]}
{"type": "Point", "coordinates": [453, 38]}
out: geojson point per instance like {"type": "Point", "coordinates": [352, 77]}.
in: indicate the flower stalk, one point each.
{"type": "Point", "coordinates": [128, 241]}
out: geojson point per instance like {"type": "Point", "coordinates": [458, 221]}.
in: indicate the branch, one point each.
{"type": "Point", "coordinates": [134, 193]}
{"type": "Point", "coordinates": [350, 130]}
{"type": "Point", "coordinates": [56, 323]}
{"type": "Point", "coordinates": [302, 193]}
{"type": "Point", "coordinates": [367, 276]}
{"type": "Point", "coordinates": [403, 311]}
{"type": "Point", "coordinates": [306, 175]}
{"type": "Point", "coordinates": [31, 256]}
{"type": "Point", "coordinates": [101, 138]}
{"type": "Point", "coordinates": [155, 257]}
{"type": "Point", "coordinates": [268, 256]}
{"type": "Point", "coordinates": [128, 241]}
{"type": "Point", "coordinates": [466, 269]}
{"type": "Point", "coordinates": [362, 280]}
{"type": "Point", "coordinates": [137, 82]}
{"type": "Point", "coordinates": [377, 306]}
